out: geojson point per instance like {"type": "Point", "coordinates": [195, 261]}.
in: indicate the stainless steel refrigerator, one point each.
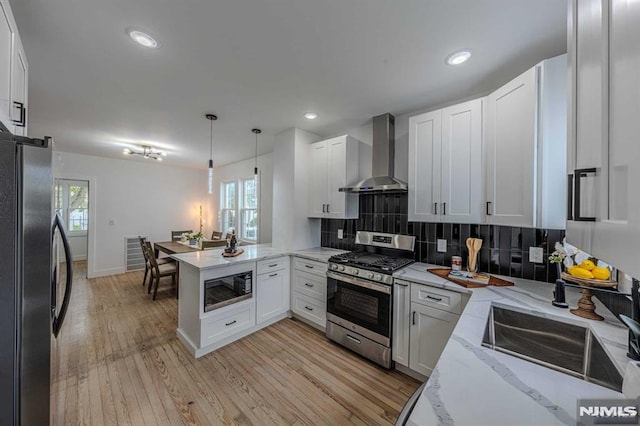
{"type": "Point", "coordinates": [28, 278]}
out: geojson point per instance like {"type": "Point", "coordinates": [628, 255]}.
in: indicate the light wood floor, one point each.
{"type": "Point", "coordinates": [118, 361]}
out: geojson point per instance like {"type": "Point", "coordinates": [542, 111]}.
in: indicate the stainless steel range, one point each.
{"type": "Point", "coordinates": [359, 293]}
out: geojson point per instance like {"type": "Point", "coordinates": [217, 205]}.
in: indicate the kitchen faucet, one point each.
{"type": "Point", "coordinates": [632, 323]}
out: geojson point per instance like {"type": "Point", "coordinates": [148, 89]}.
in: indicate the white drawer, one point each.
{"type": "Point", "coordinates": [311, 285]}
{"type": "Point", "coordinates": [445, 300]}
{"type": "Point", "coordinates": [227, 322]}
{"type": "Point", "coordinates": [310, 266]}
{"type": "Point", "coordinates": [309, 308]}
{"type": "Point", "coordinates": [269, 265]}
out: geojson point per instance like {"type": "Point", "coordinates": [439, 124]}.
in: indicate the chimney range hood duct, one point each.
{"type": "Point", "coordinates": [383, 156]}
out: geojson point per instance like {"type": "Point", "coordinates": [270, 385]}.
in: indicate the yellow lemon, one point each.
{"type": "Point", "coordinates": [588, 265]}
{"type": "Point", "coordinates": [579, 272]}
{"type": "Point", "coordinates": [601, 273]}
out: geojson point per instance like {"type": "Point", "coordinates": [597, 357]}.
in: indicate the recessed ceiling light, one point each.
{"type": "Point", "coordinates": [459, 57]}
{"type": "Point", "coordinates": [310, 115]}
{"type": "Point", "coordinates": [143, 39]}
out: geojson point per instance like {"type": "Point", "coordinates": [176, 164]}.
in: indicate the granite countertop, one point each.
{"type": "Point", "coordinates": [319, 254]}
{"type": "Point", "coordinates": [207, 259]}
{"type": "Point", "coordinates": [474, 385]}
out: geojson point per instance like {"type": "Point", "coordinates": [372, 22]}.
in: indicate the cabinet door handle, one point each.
{"type": "Point", "coordinates": [353, 339]}
{"type": "Point", "coordinates": [413, 318]}
{"type": "Point", "coordinates": [570, 197]}
{"type": "Point", "coordinates": [324, 206]}
{"type": "Point", "coordinates": [435, 208]}
{"type": "Point", "coordinates": [444, 209]}
{"type": "Point", "coordinates": [578, 176]}
{"type": "Point", "coordinates": [273, 265]}
{"type": "Point", "coordinates": [308, 308]}
{"type": "Point", "coordinates": [308, 285]}
{"type": "Point", "coordinates": [23, 114]}
{"type": "Point", "coordinates": [308, 266]}
{"type": "Point", "coordinates": [273, 275]}
{"type": "Point", "coordinates": [232, 322]}
{"type": "Point", "coordinates": [488, 208]}
{"type": "Point", "coordinates": [328, 208]}
{"type": "Point", "coordinates": [437, 299]}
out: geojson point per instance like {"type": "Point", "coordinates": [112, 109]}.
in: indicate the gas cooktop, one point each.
{"type": "Point", "coordinates": [371, 261]}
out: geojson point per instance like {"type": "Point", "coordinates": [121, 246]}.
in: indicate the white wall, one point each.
{"type": "Point", "coordinates": [244, 169]}
{"type": "Point", "coordinates": [130, 198]}
{"type": "Point", "coordinates": [78, 244]}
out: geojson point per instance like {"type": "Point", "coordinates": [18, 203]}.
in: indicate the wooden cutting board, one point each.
{"type": "Point", "coordinates": [234, 254]}
{"type": "Point", "coordinates": [444, 273]}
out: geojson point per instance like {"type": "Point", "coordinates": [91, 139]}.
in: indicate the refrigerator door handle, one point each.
{"type": "Point", "coordinates": [59, 319]}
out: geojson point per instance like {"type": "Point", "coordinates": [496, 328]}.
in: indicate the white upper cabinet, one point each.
{"type": "Point", "coordinates": [525, 148]}
{"type": "Point", "coordinates": [334, 164]}
{"type": "Point", "coordinates": [13, 74]}
{"type": "Point", "coordinates": [445, 164]}
{"type": "Point", "coordinates": [603, 151]}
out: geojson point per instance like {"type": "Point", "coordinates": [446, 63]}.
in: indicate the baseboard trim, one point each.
{"type": "Point", "coordinates": [105, 272]}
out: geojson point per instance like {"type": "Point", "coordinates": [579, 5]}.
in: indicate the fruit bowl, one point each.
{"type": "Point", "coordinates": [588, 282]}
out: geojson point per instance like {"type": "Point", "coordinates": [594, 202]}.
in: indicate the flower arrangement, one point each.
{"type": "Point", "coordinates": [579, 263]}
{"type": "Point", "coordinates": [192, 236]}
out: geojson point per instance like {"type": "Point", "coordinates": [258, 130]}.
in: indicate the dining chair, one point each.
{"type": "Point", "coordinates": [177, 235]}
{"type": "Point", "coordinates": [216, 235]}
{"type": "Point", "coordinates": [213, 244]}
{"type": "Point", "coordinates": [147, 254]}
{"type": "Point", "coordinates": [160, 270]}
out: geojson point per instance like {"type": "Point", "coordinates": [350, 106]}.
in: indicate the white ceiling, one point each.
{"type": "Point", "coordinates": [262, 63]}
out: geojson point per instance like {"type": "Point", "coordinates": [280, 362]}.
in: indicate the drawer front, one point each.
{"type": "Point", "coordinates": [445, 300]}
{"type": "Point", "coordinates": [311, 285]}
{"type": "Point", "coordinates": [309, 308]}
{"type": "Point", "coordinates": [310, 266]}
{"type": "Point", "coordinates": [227, 323]}
{"type": "Point", "coordinates": [269, 265]}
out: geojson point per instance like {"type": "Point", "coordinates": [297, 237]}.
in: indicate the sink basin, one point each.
{"type": "Point", "coordinates": [568, 348]}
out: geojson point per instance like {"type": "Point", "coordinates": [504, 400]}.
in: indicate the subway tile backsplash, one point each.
{"type": "Point", "coordinates": [505, 249]}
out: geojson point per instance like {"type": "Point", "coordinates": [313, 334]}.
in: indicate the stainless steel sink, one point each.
{"type": "Point", "coordinates": [564, 347]}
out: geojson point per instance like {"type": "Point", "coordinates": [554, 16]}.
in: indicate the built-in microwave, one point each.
{"type": "Point", "coordinates": [223, 291]}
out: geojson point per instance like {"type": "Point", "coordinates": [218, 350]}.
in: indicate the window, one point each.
{"type": "Point", "coordinates": [249, 211]}
{"type": "Point", "coordinates": [71, 201]}
{"type": "Point", "coordinates": [228, 207]}
{"type": "Point", "coordinates": [240, 216]}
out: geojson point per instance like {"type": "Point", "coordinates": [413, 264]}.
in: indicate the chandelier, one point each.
{"type": "Point", "coordinates": [147, 152]}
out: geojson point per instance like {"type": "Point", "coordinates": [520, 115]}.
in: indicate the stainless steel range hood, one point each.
{"type": "Point", "coordinates": [383, 157]}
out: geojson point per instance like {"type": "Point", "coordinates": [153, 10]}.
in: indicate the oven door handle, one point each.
{"type": "Point", "coordinates": [381, 288]}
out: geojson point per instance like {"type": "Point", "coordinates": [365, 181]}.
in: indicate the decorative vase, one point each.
{"type": "Point", "coordinates": [192, 241]}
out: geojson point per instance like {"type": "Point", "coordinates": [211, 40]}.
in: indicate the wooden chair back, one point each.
{"type": "Point", "coordinates": [143, 240]}
{"type": "Point", "coordinates": [151, 257]}
{"type": "Point", "coordinates": [176, 235]}
{"type": "Point", "coordinates": [213, 244]}
{"type": "Point", "coordinates": [216, 235]}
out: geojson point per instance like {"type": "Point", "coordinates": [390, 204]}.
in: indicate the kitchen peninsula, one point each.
{"type": "Point", "coordinates": [222, 299]}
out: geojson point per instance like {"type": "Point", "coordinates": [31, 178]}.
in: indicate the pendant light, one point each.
{"type": "Point", "coordinates": [256, 177]}
{"type": "Point", "coordinates": [211, 118]}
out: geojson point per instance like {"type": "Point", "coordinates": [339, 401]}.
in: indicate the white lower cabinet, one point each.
{"type": "Point", "coordinates": [401, 322]}
{"type": "Point", "coordinates": [272, 289]}
{"type": "Point", "coordinates": [423, 319]}
{"type": "Point", "coordinates": [309, 291]}
{"type": "Point", "coordinates": [430, 331]}
{"type": "Point", "coordinates": [218, 325]}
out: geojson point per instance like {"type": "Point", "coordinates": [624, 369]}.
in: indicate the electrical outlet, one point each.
{"type": "Point", "coordinates": [340, 234]}
{"type": "Point", "coordinates": [442, 246]}
{"type": "Point", "coordinates": [536, 255]}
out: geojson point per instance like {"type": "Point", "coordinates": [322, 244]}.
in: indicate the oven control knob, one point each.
{"type": "Point", "coordinates": [334, 267]}
{"type": "Point", "coordinates": [370, 275]}
{"type": "Point", "coordinates": [341, 267]}
{"type": "Point", "coordinates": [378, 277]}
{"type": "Point", "coordinates": [356, 272]}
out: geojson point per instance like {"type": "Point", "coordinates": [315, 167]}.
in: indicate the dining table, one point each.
{"type": "Point", "coordinates": [173, 247]}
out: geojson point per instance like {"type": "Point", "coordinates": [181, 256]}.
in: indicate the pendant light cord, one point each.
{"type": "Point", "coordinates": [211, 146]}
{"type": "Point", "coordinates": [256, 156]}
